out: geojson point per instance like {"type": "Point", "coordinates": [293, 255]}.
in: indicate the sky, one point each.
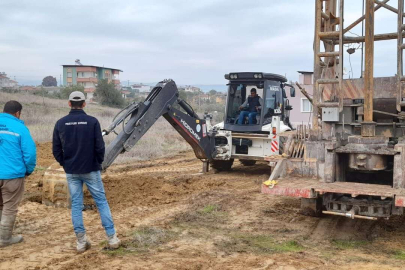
{"type": "Point", "coordinates": [191, 42]}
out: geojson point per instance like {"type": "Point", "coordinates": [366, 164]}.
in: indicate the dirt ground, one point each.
{"type": "Point", "coordinates": [170, 216]}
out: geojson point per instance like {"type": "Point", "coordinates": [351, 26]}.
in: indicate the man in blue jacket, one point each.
{"type": "Point", "coordinates": [78, 146]}
{"type": "Point", "coordinates": [17, 160]}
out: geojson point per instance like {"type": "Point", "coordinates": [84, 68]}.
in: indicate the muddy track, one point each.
{"type": "Point", "coordinates": [215, 221]}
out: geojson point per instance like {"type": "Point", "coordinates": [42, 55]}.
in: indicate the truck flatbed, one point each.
{"type": "Point", "coordinates": [311, 188]}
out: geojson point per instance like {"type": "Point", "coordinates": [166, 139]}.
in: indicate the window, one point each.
{"type": "Point", "coordinates": [306, 106]}
{"type": "Point", "coordinates": [69, 84]}
{"type": "Point", "coordinates": [69, 74]}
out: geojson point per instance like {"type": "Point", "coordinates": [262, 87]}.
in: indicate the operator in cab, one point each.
{"type": "Point", "coordinates": [251, 107]}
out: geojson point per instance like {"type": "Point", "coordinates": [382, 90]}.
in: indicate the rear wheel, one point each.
{"type": "Point", "coordinates": [222, 165]}
{"type": "Point", "coordinates": [247, 162]}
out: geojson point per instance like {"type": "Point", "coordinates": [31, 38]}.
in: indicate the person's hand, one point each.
{"type": "Point", "coordinates": [240, 108]}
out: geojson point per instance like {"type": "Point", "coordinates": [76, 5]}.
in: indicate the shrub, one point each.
{"type": "Point", "coordinates": [107, 94]}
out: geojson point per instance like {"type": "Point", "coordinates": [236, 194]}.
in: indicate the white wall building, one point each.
{"type": "Point", "coordinates": [192, 89]}
{"type": "Point", "coordinates": [6, 81]}
{"type": "Point", "coordinates": [141, 88]}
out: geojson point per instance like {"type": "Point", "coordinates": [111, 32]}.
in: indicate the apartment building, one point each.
{"type": "Point", "coordinates": [88, 76]}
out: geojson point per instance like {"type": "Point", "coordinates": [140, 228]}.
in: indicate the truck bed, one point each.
{"type": "Point", "coordinates": [312, 188]}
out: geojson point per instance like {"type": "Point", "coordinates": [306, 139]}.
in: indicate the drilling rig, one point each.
{"type": "Point", "coordinates": [355, 149]}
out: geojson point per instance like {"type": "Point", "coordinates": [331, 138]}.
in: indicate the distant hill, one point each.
{"type": "Point", "coordinates": [216, 87]}
{"type": "Point", "coordinates": [204, 87]}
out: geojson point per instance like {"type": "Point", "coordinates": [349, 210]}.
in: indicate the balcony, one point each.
{"type": "Point", "coordinates": [86, 69]}
{"type": "Point", "coordinates": [89, 79]}
{"type": "Point", "coordinates": [115, 81]}
{"type": "Point", "coordinates": [90, 90]}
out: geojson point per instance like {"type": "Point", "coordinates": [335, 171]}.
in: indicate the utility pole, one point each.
{"type": "Point", "coordinates": [60, 79]}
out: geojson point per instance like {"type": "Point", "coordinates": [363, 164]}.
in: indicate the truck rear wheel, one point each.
{"type": "Point", "coordinates": [247, 162]}
{"type": "Point", "coordinates": [222, 165]}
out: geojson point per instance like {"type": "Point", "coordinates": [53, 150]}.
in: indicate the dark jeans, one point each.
{"type": "Point", "coordinates": [243, 114]}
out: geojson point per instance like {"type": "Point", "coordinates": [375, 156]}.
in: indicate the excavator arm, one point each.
{"type": "Point", "coordinates": [137, 118]}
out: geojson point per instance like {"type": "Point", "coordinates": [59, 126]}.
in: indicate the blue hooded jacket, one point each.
{"type": "Point", "coordinates": [18, 154]}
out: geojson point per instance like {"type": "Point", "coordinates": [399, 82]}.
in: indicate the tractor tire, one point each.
{"type": "Point", "coordinates": [247, 162]}
{"type": "Point", "coordinates": [222, 165]}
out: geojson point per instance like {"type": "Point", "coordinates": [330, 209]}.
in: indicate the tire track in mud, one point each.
{"type": "Point", "coordinates": [154, 193]}
{"type": "Point", "coordinates": [165, 169]}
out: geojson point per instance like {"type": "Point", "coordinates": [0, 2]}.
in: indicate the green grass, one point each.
{"type": "Point", "coordinates": [39, 169]}
{"type": "Point", "coordinates": [144, 239]}
{"type": "Point", "coordinates": [399, 254]}
{"type": "Point", "coordinates": [121, 251]}
{"type": "Point", "coordinates": [209, 208]}
{"type": "Point", "coordinates": [209, 216]}
{"type": "Point", "coordinates": [348, 244]}
{"type": "Point", "coordinates": [258, 244]}
{"type": "Point", "coordinates": [103, 243]}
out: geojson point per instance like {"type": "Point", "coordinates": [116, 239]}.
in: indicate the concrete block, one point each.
{"type": "Point", "coordinates": [368, 140]}
{"type": "Point", "coordinates": [55, 190]}
{"type": "Point", "coordinates": [315, 149]}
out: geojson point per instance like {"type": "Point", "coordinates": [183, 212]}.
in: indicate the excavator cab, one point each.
{"type": "Point", "coordinates": [242, 117]}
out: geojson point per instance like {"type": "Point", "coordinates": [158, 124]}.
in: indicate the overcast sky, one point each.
{"type": "Point", "coordinates": [192, 42]}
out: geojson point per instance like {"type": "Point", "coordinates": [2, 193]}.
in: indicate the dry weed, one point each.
{"type": "Point", "coordinates": [40, 115]}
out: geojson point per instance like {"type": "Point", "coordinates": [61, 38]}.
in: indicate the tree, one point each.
{"type": "Point", "coordinates": [183, 94]}
{"type": "Point", "coordinates": [107, 94]}
{"type": "Point", "coordinates": [65, 91]}
{"type": "Point", "coordinates": [49, 81]}
{"type": "Point", "coordinates": [212, 92]}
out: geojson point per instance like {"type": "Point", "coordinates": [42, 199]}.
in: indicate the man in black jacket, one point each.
{"type": "Point", "coordinates": [78, 146]}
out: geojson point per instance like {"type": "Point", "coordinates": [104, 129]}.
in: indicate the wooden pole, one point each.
{"type": "Point", "coordinates": [400, 53]}
{"type": "Point", "coordinates": [340, 94]}
{"type": "Point", "coordinates": [378, 37]}
{"type": "Point", "coordinates": [368, 129]}
{"type": "Point", "coordinates": [317, 62]}
{"type": "Point", "coordinates": [386, 6]}
{"type": "Point", "coordinates": [362, 18]}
